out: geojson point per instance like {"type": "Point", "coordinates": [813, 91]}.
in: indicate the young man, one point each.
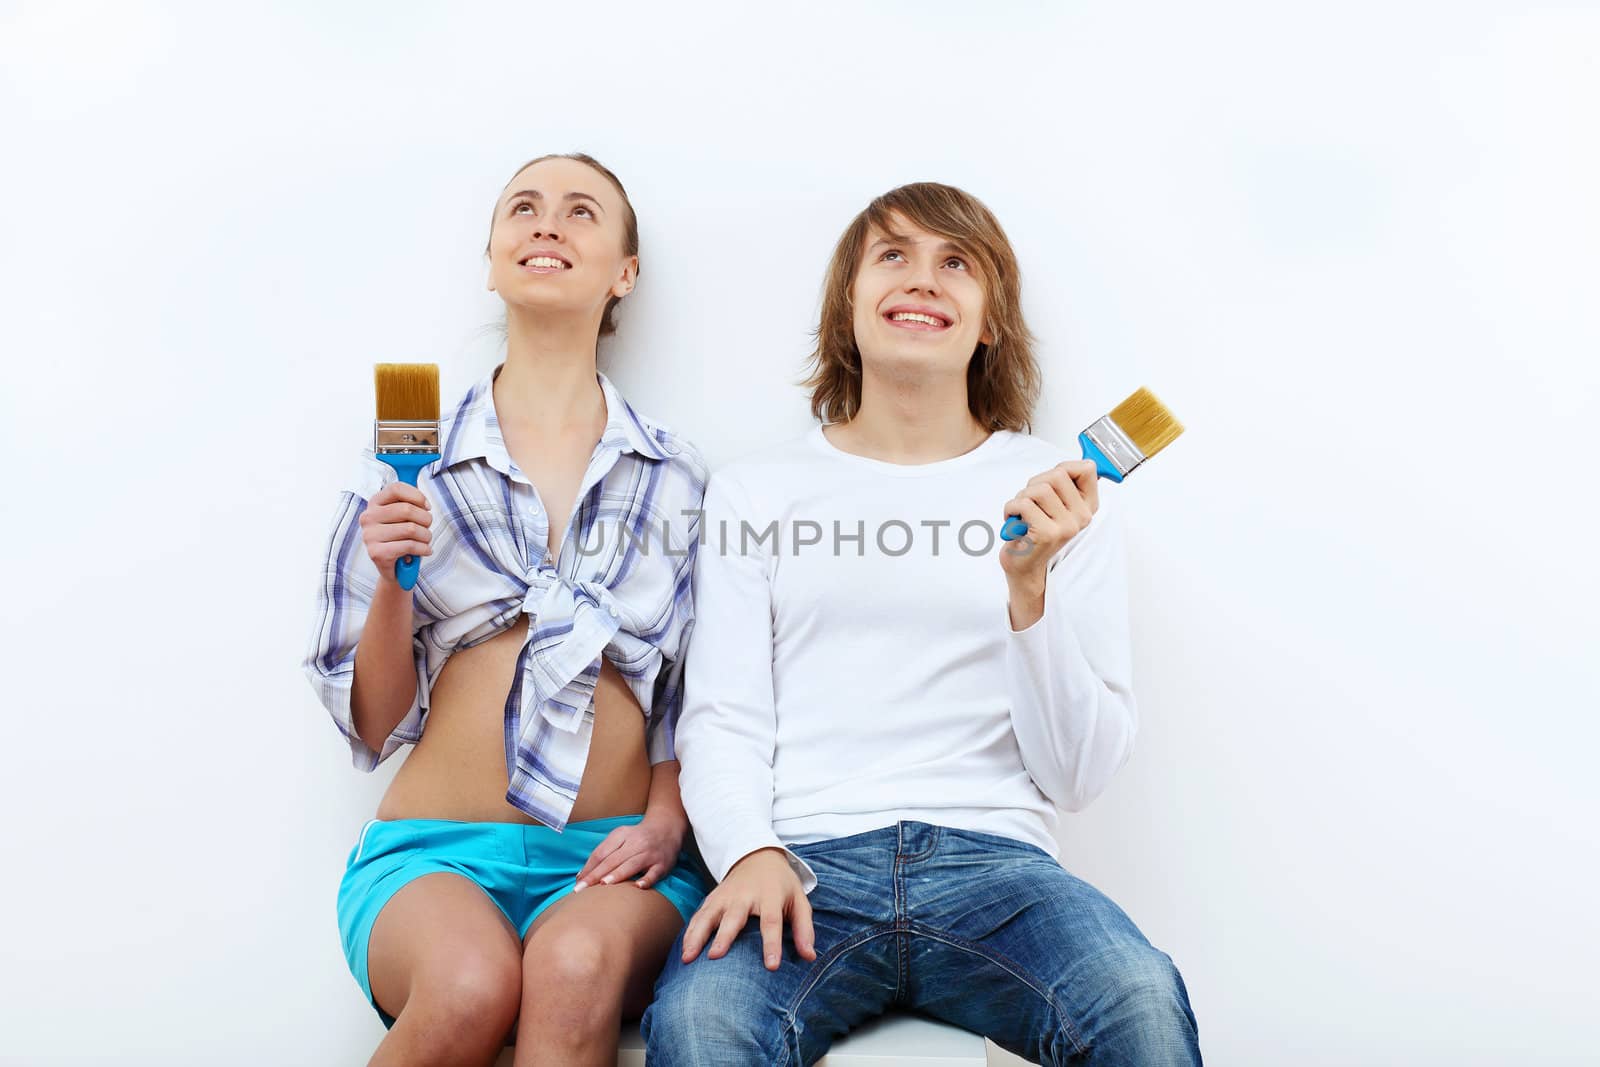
{"type": "Point", "coordinates": [886, 705]}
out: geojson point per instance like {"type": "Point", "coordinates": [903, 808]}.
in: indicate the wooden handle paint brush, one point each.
{"type": "Point", "coordinates": [406, 435]}
{"type": "Point", "coordinates": [1136, 429]}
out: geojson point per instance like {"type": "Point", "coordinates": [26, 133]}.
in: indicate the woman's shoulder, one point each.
{"type": "Point", "coordinates": [656, 439]}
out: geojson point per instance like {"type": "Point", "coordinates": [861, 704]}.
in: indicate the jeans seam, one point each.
{"type": "Point", "coordinates": [818, 971]}
{"type": "Point", "coordinates": [1016, 970]}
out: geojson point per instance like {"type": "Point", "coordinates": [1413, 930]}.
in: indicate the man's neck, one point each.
{"type": "Point", "coordinates": [910, 421]}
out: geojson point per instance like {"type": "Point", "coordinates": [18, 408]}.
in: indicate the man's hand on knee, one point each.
{"type": "Point", "coordinates": [761, 884]}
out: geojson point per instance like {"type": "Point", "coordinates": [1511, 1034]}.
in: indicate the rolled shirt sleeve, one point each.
{"type": "Point", "coordinates": [344, 596]}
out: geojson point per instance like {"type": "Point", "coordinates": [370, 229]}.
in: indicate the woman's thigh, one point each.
{"type": "Point", "coordinates": [609, 938]}
{"type": "Point", "coordinates": [441, 934]}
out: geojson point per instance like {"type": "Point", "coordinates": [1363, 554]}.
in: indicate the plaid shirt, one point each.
{"type": "Point", "coordinates": [620, 587]}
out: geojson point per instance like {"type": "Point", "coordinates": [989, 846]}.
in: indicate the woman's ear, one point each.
{"type": "Point", "coordinates": [625, 281]}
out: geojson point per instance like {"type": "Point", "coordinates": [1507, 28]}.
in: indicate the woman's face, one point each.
{"type": "Point", "coordinates": [918, 302]}
{"type": "Point", "coordinates": [557, 241]}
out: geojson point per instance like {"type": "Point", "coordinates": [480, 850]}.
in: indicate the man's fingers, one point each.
{"type": "Point", "coordinates": [772, 936]}
{"type": "Point", "coordinates": [1049, 499]}
{"type": "Point", "coordinates": [1086, 477]}
{"type": "Point", "coordinates": [694, 935]}
{"type": "Point", "coordinates": [805, 937]}
{"type": "Point", "coordinates": [733, 921]}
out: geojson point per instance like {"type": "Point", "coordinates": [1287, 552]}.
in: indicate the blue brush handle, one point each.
{"type": "Point", "coordinates": [1015, 527]}
{"type": "Point", "coordinates": [406, 465]}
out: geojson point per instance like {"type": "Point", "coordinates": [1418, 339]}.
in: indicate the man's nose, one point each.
{"type": "Point", "coordinates": [922, 280]}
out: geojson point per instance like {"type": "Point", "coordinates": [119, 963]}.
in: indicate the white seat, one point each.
{"type": "Point", "coordinates": [893, 1040]}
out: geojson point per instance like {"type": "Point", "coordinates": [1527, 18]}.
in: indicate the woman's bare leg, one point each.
{"type": "Point", "coordinates": [447, 965]}
{"type": "Point", "coordinates": [588, 963]}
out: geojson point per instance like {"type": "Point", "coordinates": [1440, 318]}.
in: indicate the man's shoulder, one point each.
{"type": "Point", "coordinates": [773, 464]}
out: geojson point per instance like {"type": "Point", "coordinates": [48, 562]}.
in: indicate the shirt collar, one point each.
{"type": "Point", "coordinates": [475, 432]}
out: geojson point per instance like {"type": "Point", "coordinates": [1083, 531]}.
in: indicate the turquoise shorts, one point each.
{"type": "Point", "coordinates": [522, 868]}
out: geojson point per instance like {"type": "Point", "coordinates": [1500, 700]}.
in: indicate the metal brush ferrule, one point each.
{"type": "Point", "coordinates": [399, 436]}
{"type": "Point", "coordinates": [1115, 444]}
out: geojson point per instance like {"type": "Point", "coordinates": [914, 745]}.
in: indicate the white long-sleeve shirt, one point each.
{"type": "Point", "coordinates": [854, 664]}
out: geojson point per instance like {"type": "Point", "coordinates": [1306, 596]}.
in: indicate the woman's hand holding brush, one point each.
{"type": "Point", "coordinates": [395, 525]}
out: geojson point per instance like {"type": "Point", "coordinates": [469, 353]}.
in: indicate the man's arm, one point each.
{"type": "Point", "coordinates": [1068, 660]}
{"type": "Point", "coordinates": [728, 729]}
{"type": "Point", "coordinates": [726, 739]}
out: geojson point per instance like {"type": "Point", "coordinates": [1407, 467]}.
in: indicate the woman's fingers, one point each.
{"type": "Point", "coordinates": [656, 872]}
{"type": "Point", "coordinates": [622, 864]}
{"type": "Point", "coordinates": [399, 531]}
{"type": "Point", "coordinates": [398, 491]}
{"type": "Point", "coordinates": [383, 553]}
{"type": "Point", "coordinates": [396, 513]}
{"type": "Point", "coordinates": [601, 853]}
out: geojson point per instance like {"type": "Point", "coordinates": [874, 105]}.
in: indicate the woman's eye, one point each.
{"type": "Point", "coordinates": [586, 212]}
{"type": "Point", "coordinates": [519, 205]}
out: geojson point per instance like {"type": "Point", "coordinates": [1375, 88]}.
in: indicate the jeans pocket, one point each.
{"type": "Point", "coordinates": [999, 843]}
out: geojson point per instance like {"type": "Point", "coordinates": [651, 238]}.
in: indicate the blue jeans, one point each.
{"type": "Point", "coordinates": [987, 933]}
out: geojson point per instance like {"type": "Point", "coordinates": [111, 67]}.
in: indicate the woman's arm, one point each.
{"type": "Point", "coordinates": [384, 686]}
{"type": "Point", "coordinates": [364, 625]}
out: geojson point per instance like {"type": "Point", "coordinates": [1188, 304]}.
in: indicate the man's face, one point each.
{"type": "Point", "coordinates": [918, 302]}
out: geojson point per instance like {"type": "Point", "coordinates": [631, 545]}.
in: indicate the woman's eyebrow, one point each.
{"type": "Point", "coordinates": [534, 194]}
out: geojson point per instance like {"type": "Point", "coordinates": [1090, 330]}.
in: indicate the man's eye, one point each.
{"type": "Point", "coordinates": [889, 253]}
{"type": "Point", "coordinates": [958, 261]}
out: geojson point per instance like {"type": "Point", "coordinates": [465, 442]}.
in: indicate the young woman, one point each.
{"type": "Point", "coordinates": [526, 870]}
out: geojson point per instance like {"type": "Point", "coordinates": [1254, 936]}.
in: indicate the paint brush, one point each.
{"type": "Point", "coordinates": [406, 434]}
{"type": "Point", "coordinates": [1136, 429]}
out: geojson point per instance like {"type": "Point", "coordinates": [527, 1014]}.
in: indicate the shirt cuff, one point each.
{"type": "Point", "coordinates": [802, 870]}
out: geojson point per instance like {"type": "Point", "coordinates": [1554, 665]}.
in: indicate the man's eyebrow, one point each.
{"type": "Point", "coordinates": [946, 246]}
{"type": "Point", "coordinates": [891, 239]}
{"type": "Point", "coordinates": [534, 194]}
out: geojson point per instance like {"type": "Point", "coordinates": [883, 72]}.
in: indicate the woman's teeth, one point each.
{"type": "Point", "coordinates": [543, 261]}
{"type": "Point", "coordinates": [913, 316]}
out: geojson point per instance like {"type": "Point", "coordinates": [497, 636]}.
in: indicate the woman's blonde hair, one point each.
{"type": "Point", "coordinates": [1002, 377]}
{"type": "Point", "coordinates": [630, 221]}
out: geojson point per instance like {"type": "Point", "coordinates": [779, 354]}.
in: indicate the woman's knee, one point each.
{"type": "Point", "coordinates": [577, 973]}
{"type": "Point", "coordinates": [469, 994]}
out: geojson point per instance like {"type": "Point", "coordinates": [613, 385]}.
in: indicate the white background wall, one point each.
{"type": "Point", "coordinates": [1353, 245]}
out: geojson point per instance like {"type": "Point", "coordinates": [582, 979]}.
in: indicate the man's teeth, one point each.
{"type": "Point", "coordinates": [914, 316]}
{"type": "Point", "coordinates": [542, 261]}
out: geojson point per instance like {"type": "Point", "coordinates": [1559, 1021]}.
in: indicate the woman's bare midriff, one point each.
{"type": "Point", "coordinates": [458, 770]}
